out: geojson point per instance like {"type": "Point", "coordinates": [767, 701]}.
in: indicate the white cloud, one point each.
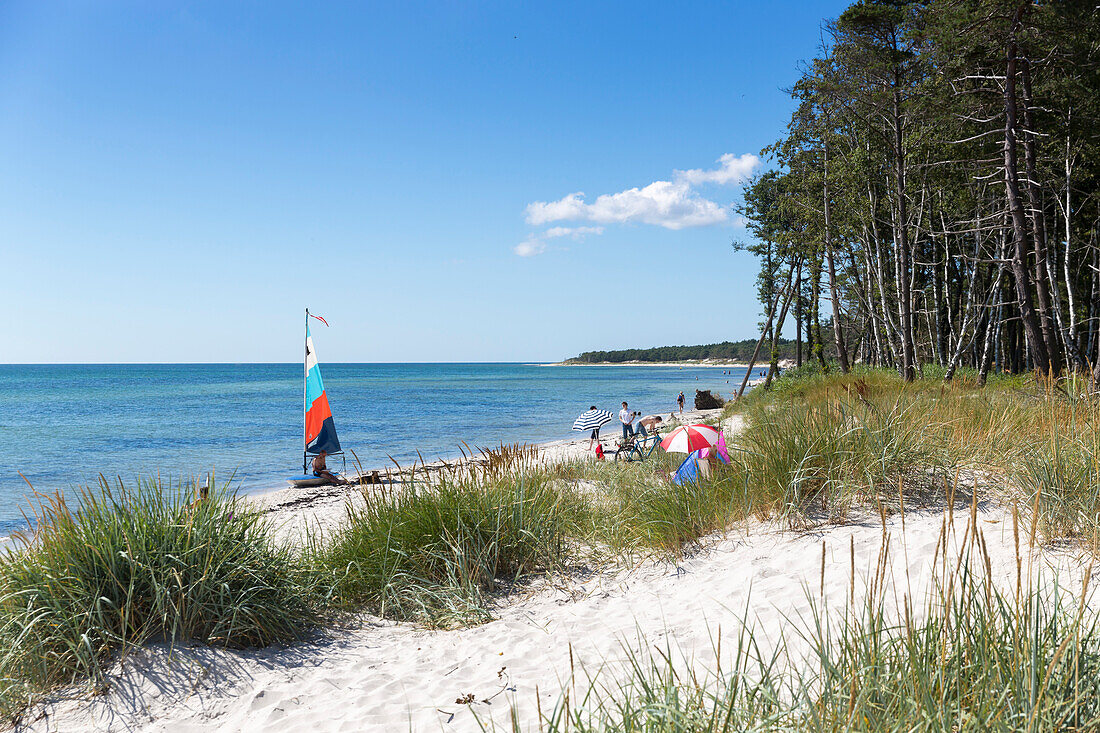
{"type": "Point", "coordinates": [663, 203]}
{"type": "Point", "coordinates": [577, 233]}
{"type": "Point", "coordinates": [535, 244]}
{"type": "Point", "coordinates": [530, 247]}
{"type": "Point", "coordinates": [669, 204]}
{"type": "Point", "coordinates": [732, 169]}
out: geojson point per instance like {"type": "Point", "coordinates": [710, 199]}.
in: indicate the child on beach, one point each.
{"type": "Point", "coordinates": [680, 402]}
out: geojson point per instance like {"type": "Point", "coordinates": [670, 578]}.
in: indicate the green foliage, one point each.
{"type": "Point", "coordinates": [432, 553]}
{"type": "Point", "coordinates": [895, 166]}
{"type": "Point", "coordinates": [130, 565]}
{"type": "Point", "coordinates": [728, 350]}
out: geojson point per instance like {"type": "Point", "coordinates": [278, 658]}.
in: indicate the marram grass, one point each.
{"type": "Point", "coordinates": [433, 552]}
{"type": "Point", "coordinates": [131, 564]}
{"type": "Point", "coordinates": [975, 657]}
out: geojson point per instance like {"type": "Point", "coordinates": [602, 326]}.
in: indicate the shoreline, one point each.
{"type": "Point", "coordinates": [702, 364]}
{"type": "Point", "coordinates": [273, 495]}
{"type": "Point", "coordinates": [298, 510]}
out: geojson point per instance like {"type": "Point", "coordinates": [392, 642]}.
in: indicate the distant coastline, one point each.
{"type": "Point", "coordinates": [725, 354]}
{"type": "Point", "coordinates": [703, 363]}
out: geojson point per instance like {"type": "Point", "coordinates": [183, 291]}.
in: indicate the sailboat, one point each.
{"type": "Point", "coordinates": [317, 423]}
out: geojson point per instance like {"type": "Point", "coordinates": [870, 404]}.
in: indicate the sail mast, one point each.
{"type": "Point", "coordinates": [319, 428]}
{"type": "Point", "coordinates": [305, 405]}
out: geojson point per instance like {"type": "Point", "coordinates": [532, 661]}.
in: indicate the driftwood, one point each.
{"type": "Point", "coordinates": [704, 400]}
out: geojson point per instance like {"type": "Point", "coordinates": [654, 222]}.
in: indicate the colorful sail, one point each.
{"type": "Point", "coordinates": [320, 429]}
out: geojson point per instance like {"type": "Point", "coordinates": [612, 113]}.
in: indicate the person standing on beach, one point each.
{"type": "Point", "coordinates": [595, 437]}
{"type": "Point", "coordinates": [680, 402]}
{"type": "Point", "coordinates": [626, 417]}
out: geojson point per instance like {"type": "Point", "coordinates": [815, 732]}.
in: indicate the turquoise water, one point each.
{"type": "Point", "coordinates": [62, 425]}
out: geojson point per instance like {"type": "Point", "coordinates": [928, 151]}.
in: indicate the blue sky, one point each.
{"type": "Point", "coordinates": [441, 181]}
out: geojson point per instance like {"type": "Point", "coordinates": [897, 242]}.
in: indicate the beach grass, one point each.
{"type": "Point", "coordinates": [975, 656]}
{"type": "Point", "coordinates": [818, 446]}
{"type": "Point", "coordinates": [633, 510]}
{"type": "Point", "coordinates": [129, 564]}
{"type": "Point", "coordinates": [433, 552]}
{"type": "Point", "coordinates": [822, 447]}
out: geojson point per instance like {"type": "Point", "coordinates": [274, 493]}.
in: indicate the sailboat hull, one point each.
{"type": "Point", "coordinates": [303, 481]}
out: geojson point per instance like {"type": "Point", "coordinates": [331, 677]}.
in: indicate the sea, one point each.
{"type": "Point", "coordinates": [62, 426]}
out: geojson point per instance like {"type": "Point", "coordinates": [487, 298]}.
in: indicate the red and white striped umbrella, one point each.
{"type": "Point", "coordinates": [688, 438]}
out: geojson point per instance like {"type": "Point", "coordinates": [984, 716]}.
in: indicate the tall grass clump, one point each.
{"type": "Point", "coordinates": [124, 565]}
{"type": "Point", "coordinates": [831, 441]}
{"type": "Point", "coordinates": [432, 551]}
{"type": "Point", "coordinates": [1060, 470]}
{"type": "Point", "coordinates": [829, 452]}
{"type": "Point", "coordinates": [637, 510]}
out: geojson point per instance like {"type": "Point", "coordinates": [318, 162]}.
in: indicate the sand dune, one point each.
{"type": "Point", "coordinates": [381, 676]}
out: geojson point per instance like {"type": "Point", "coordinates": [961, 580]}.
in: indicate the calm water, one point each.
{"type": "Point", "coordinates": [61, 425]}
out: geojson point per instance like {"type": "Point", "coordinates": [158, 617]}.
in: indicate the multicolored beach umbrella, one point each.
{"type": "Point", "coordinates": [320, 428]}
{"type": "Point", "coordinates": [690, 438]}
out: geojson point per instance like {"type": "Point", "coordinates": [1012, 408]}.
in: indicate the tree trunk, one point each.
{"type": "Point", "coordinates": [1038, 227]}
{"type": "Point", "coordinates": [961, 344]}
{"type": "Point", "coordinates": [817, 345]}
{"type": "Point", "coordinates": [1020, 239]}
{"type": "Point", "coordinates": [798, 315]}
{"type": "Point", "coordinates": [773, 365]}
{"type": "Point", "coordinates": [905, 294]}
{"type": "Point", "coordinates": [834, 295]}
{"type": "Point", "coordinates": [763, 335]}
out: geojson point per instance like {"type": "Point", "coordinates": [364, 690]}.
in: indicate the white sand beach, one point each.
{"type": "Point", "coordinates": [548, 636]}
